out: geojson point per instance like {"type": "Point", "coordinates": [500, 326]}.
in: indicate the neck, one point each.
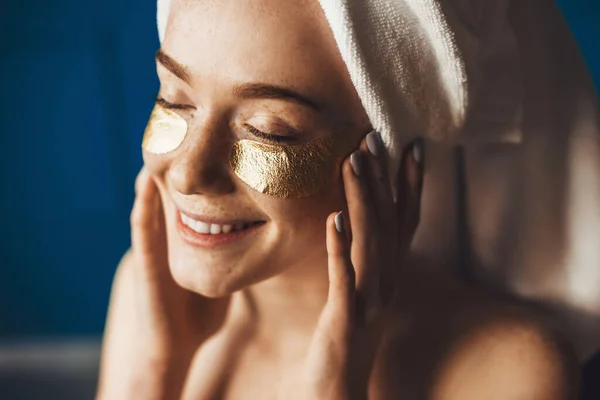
{"type": "Point", "coordinates": [289, 304]}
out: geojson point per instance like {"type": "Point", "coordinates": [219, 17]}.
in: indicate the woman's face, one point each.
{"type": "Point", "coordinates": [218, 66]}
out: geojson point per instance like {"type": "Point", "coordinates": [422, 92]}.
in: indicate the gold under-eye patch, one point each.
{"type": "Point", "coordinates": [165, 131]}
{"type": "Point", "coordinates": [292, 171]}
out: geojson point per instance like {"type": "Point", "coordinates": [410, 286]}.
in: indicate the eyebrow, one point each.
{"type": "Point", "coordinates": [245, 91]}
{"type": "Point", "coordinates": [176, 68]}
{"type": "Point", "coordinates": [265, 91]}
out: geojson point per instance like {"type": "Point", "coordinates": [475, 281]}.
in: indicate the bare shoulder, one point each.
{"type": "Point", "coordinates": [125, 265]}
{"type": "Point", "coordinates": [120, 305]}
{"type": "Point", "coordinates": [508, 357]}
{"type": "Point", "coordinates": [117, 334]}
{"type": "Point", "coordinates": [449, 342]}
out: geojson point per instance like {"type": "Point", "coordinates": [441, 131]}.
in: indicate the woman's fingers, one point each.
{"type": "Point", "coordinates": [379, 183]}
{"type": "Point", "coordinates": [349, 329]}
{"type": "Point", "coordinates": [362, 218]}
{"type": "Point", "coordinates": [410, 184]}
{"type": "Point", "coordinates": [383, 203]}
{"type": "Point", "coordinates": [342, 278]}
{"type": "Point", "coordinates": [380, 227]}
{"type": "Point", "coordinates": [327, 359]}
{"type": "Point", "coordinates": [367, 248]}
{"type": "Point", "coordinates": [148, 232]}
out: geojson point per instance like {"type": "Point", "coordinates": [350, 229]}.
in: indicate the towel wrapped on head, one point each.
{"type": "Point", "coordinates": [445, 70]}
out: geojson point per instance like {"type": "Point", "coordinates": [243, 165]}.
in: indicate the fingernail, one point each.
{"type": "Point", "coordinates": [417, 151]}
{"type": "Point", "coordinates": [355, 161]}
{"type": "Point", "coordinates": [374, 143]}
{"type": "Point", "coordinates": [339, 222]}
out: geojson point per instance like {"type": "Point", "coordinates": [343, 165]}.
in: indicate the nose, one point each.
{"type": "Point", "coordinates": [201, 165]}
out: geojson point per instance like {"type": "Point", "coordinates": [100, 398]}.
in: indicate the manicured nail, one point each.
{"type": "Point", "coordinates": [339, 222]}
{"type": "Point", "coordinates": [417, 151]}
{"type": "Point", "coordinates": [374, 143]}
{"type": "Point", "coordinates": [356, 163]}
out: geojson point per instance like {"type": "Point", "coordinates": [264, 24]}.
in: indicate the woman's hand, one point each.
{"type": "Point", "coordinates": [362, 272]}
{"type": "Point", "coordinates": [154, 325]}
{"type": "Point", "coordinates": [176, 320]}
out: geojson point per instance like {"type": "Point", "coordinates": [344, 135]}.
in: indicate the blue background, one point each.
{"type": "Point", "coordinates": [77, 82]}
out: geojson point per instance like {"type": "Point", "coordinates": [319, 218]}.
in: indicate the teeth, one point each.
{"type": "Point", "coordinates": [201, 227]}
{"type": "Point", "coordinates": [198, 226]}
{"type": "Point", "coordinates": [213, 229]}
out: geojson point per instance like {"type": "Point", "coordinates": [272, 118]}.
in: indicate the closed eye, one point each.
{"type": "Point", "coordinates": [268, 136]}
{"type": "Point", "coordinates": [260, 134]}
{"type": "Point", "coordinates": [171, 106]}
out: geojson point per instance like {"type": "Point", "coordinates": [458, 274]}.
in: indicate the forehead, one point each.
{"type": "Point", "coordinates": [270, 41]}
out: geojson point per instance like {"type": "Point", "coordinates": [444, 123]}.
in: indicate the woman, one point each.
{"type": "Point", "coordinates": [269, 258]}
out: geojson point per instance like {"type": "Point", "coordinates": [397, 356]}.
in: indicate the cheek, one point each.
{"type": "Point", "coordinates": [304, 230]}
{"type": "Point", "coordinates": [156, 165]}
{"type": "Point", "coordinates": [301, 220]}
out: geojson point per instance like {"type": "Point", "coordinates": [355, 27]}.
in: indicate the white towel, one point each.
{"type": "Point", "coordinates": [440, 69]}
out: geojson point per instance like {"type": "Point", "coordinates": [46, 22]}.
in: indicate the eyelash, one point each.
{"type": "Point", "coordinates": [267, 136]}
{"type": "Point", "coordinates": [249, 128]}
{"type": "Point", "coordinates": [171, 106]}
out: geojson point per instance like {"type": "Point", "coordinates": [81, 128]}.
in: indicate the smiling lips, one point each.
{"type": "Point", "coordinates": [214, 229]}
{"type": "Point", "coordinates": [209, 235]}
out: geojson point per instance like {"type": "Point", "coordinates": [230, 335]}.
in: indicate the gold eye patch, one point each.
{"type": "Point", "coordinates": [288, 171]}
{"type": "Point", "coordinates": [293, 171]}
{"type": "Point", "coordinates": [165, 131]}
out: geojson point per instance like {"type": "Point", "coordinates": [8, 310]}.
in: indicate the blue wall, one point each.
{"type": "Point", "coordinates": [77, 81]}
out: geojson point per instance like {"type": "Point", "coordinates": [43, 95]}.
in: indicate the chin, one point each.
{"type": "Point", "coordinates": [207, 277]}
{"type": "Point", "coordinates": [219, 271]}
